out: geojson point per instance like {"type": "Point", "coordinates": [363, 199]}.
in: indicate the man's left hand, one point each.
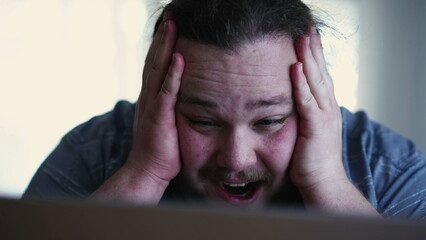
{"type": "Point", "coordinates": [317, 168]}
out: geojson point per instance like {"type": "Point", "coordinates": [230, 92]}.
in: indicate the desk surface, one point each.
{"type": "Point", "coordinates": [77, 220]}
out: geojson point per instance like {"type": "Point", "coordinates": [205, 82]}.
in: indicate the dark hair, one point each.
{"type": "Point", "coordinates": [229, 23]}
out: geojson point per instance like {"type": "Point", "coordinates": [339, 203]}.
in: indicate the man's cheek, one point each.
{"type": "Point", "coordinates": [194, 147]}
{"type": "Point", "coordinates": [283, 142]}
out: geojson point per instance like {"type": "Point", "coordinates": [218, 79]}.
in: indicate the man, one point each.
{"type": "Point", "coordinates": [237, 107]}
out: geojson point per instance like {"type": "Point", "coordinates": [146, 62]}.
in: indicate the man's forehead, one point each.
{"type": "Point", "coordinates": [260, 60]}
{"type": "Point", "coordinates": [258, 75]}
{"type": "Point", "coordinates": [276, 48]}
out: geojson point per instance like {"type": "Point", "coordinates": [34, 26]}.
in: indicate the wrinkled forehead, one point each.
{"type": "Point", "coordinates": [254, 70]}
{"type": "Point", "coordinates": [267, 51]}
{"type": "Point", "coordinates": [266, 61]}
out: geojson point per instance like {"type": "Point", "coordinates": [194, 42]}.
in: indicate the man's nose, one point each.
{"type": "Point", "coordinates": [237, 150]}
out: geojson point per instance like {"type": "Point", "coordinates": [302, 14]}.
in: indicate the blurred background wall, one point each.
{"type": "Point", "coordinates": [65, 61]}
{"type": "Point", "coordinates": [392, 65]}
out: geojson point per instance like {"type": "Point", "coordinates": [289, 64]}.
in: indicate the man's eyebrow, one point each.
{"type": "Point", "coordinates": [272, 101]}
{"type": "Point", "coordinates": [261, 103]}
{"type": "Point", "coordinates": [194, 100]}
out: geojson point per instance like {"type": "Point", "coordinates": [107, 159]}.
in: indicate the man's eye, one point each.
{"type": "Point", "coordinates": [203, 123]}
{"type": "Point", "coordinates": [270, 122]}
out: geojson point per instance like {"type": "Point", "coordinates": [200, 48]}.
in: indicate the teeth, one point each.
{"type": "Point", "coordinates": [241, 190]}
{"type": "Point", "coordinates": [235, 184]}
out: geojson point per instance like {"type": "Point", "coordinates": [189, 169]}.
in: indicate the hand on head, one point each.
{"type": "Point", "coordinates": [154, 159]}
{"type": "Point", "coordinates": [155, 149]}
{"type": "Point", "coordinates": [317, 156]}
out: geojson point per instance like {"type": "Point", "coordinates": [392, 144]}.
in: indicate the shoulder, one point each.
{"type": "Point", "coordinates": [86, 156]}
{"type": "Point", "coordinates": [363, 136]}
{"type": "Point", "coordinates": [101, 145]}
{"type": "Point", "coordinates": [117, 121]}
{"type": "Point", "coordinates": [384, 165]}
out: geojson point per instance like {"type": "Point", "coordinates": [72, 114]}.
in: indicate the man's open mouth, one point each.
{"type": "Point", "coordinates": [237, 188]}
{"type": "Point", "coordinates": [239, 193]}
{"type": "Point", "coordinates": [241, 190]}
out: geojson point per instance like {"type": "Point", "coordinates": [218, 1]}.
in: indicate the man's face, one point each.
{"type": "Point", "coordinates": [236, 119]}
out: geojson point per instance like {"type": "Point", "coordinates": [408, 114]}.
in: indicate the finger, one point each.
{"type": "Point", "coordinates": [151, 52]}
{"type": "Point", "coordinates": [311, 71]}
{"type": "Point", "coordinates": [167, 96]}
{"type": "Point", "coordinates": [305, 101]}
{"type": "Point", "coordinates": [317, 49]}
{"type": "Point", "coordinates": [162, 58]}
{"type": "Point", "coordinates": [141, 103]}
{"type": "Point", "coordinates": [157, 36]}
{"type": "Point", "coordinates": [318, 54]}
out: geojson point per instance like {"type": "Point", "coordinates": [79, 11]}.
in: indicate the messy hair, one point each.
{"type": "Point", "coordinates": [229, 23]}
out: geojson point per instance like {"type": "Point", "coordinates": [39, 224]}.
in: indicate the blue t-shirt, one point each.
{"type": "Point", "coordinates": [385, 167]}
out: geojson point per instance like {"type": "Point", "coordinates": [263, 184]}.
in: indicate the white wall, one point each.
{"type": "Point", "coordinates": [61, 63]}
{"type": "Point", "coordinates": [392, 82]}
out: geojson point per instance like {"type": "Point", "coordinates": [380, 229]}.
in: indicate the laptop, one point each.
{"type": "Point", "coordinates": [21, 219]}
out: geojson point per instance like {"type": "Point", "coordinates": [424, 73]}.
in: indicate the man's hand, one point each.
{"type": "Point", "coordinates": [317, 157]}
{"type": "Point", "coordinates": [155, 148]}
{"type": "Point", "coordinates": [154, 159]}
{"type": "Point", "coordinates": [317, 168]}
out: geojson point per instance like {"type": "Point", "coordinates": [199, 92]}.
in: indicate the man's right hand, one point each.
{"type": "Point", "coordinates": [154, 159]}
{"type": "Point", "coordinates": [155, 148]}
